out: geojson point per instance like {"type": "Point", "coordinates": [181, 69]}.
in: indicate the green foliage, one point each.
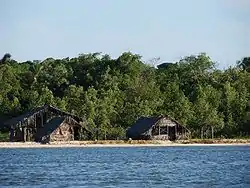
{"type": "Point", "coordinates": [4, 136]}
{"type": "Point", "coordinates": [111, 94]}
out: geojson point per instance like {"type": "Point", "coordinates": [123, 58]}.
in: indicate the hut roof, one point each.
{"type": "Point", "coordinates": [143, 124]}
{"type": "Point", "coordinates": [24, 116]}
{"type": "Point", "coordinates": [38, 110]}
{"type": "Point", "coordinates": [2, 120]}
{"type": "Point", "coordinates": [51, 126]}
{"type": "Point", "coordinates": [52, 108]}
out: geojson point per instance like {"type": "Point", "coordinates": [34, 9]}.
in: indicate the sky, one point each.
{"type": "Point", "coordinates": [168, 29]}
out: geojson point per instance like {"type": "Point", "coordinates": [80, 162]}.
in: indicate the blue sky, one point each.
{"type": "Point", "coordinates": [35, 30]}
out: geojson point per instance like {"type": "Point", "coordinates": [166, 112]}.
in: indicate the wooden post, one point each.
{"type": "Point", "coordinates": [24, 134]}
{"type": "Point", "coordinates": [201, 132]}
{"type": "Point", "coordinates": [34, 118]}
{"type": "Point", "coordinates": [182, 133]}
{"type": "Point", "coordinates": [80, 133]}
{"type": "Point", "coordinates": [46, 116]}
{"type": "Point", "coordinates": [28, 134]}
{"type": "Point", "coordinates": [175, 131]}
{"type": "Point", "coordinates": [28, 130]}
{"type": "Point", "coordinates": [41, 114]}
{"type": "Point", "coordinates": [159, 130]}
{"type": "Point", "coordinates": [168, 131]}
{"type": "Point", "coordinates": [212, 132]}
{"type": "Point", "coordinates": [11, 134]}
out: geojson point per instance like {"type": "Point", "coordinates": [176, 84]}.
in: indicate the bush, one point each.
{"type": "Point", "coordinates": [4, 136]}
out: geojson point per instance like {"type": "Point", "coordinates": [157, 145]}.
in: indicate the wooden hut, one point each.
{"type": "Point", "coordinates": [45, 124]}
{"type": "Point", "coordinates": [58, 129]}
{"type": "Point", "coordinates": [157, 128]}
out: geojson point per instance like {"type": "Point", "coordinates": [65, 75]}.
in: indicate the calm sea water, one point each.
{"type": "Point", "coordinates": [214, 166]}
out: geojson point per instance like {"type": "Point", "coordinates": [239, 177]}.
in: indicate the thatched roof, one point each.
{"type": "Point", "coordinates": [51, 126]}
{"type": "Point", "coordinates": [52, 108]}
{"type": "Point", "coordinates": [141, 126]}
{"type": "Point", "coordinates": [144, 124]}
{"type": "Point", "coordinates": [2, 120]}
{"type": "Point", "coordinates": [25, 116]}
{"type": "Point", "coordinates": [38, 110]}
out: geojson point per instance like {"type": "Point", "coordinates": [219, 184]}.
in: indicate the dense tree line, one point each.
{"type": "Point", "coordinates": [112, 93]}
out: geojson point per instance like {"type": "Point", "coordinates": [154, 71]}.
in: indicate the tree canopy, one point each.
{"type": "Point", "coordinates": [111, 94]}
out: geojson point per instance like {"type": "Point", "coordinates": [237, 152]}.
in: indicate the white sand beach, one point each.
{"type": "Point", "coordinates": [86, 144]}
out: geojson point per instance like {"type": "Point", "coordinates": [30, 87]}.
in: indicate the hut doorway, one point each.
{"type": "Point", "coordinates": [76, 133]}
{"type": "Point", "coordinates": [172, 133]}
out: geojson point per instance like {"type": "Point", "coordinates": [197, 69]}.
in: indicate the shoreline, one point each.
{"type": "Point", "coordinates": [93, 144]}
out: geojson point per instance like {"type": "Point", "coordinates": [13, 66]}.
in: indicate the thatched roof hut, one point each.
{"type": "Point", "coordinates": [43, 122]}
{"type": "Point", "coordinates": [160, 128]}
{"type": "Point", "coordinates": [59, 129]}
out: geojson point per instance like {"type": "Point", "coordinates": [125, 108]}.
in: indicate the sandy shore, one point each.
{"type": "Point", "coordinates": [88, 145]}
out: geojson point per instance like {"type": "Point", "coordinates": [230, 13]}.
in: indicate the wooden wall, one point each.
{"type": "Point", "coordinates": [166, 129]}
{"type": "Point", "coordinates": [64, 132]}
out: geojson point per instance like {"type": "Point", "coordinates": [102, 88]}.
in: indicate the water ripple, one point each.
{"type": "Point", "coordinates": [227, 166]}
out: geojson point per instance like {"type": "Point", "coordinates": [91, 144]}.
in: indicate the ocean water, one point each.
{"type": "Point", "coordinates": [190, 166]}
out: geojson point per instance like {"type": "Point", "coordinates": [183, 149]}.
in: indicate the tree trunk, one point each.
{"type": "Point", "coordinates": [201, 132]}
{"type": "Point", "coordinates": [212, 132]}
